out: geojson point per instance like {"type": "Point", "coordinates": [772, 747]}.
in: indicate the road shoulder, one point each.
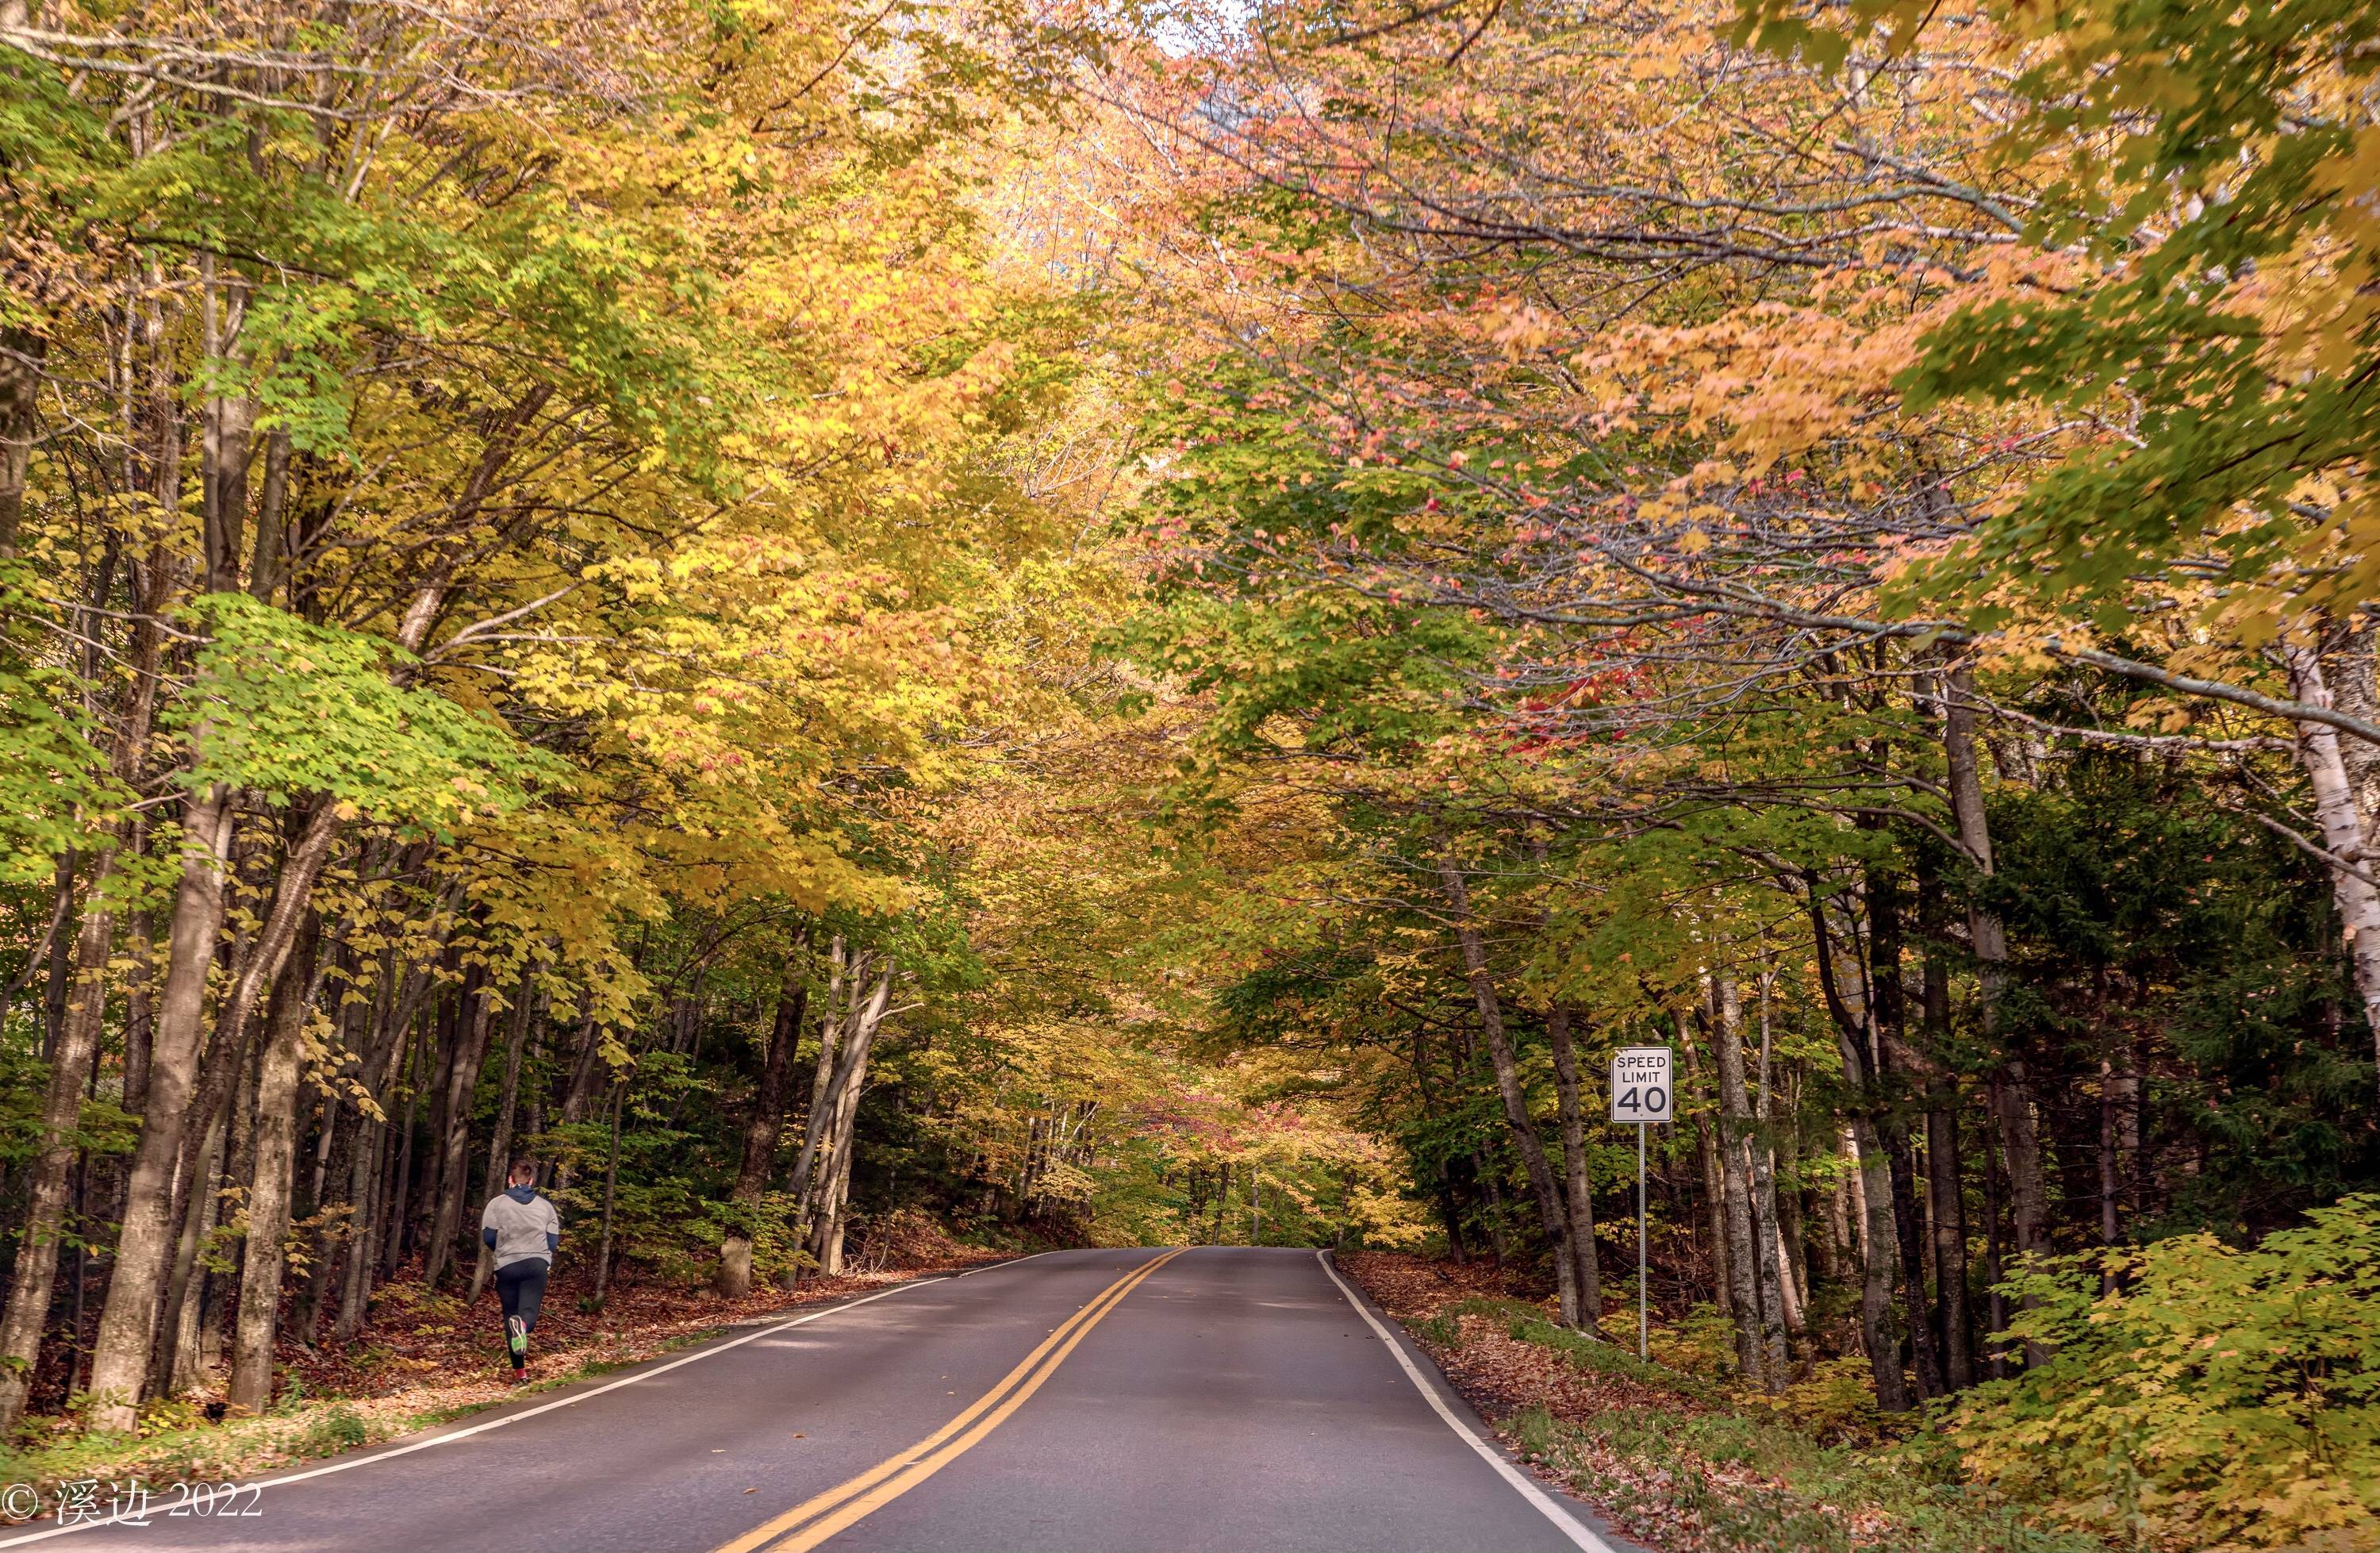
{"type": "Point", "coordinates": [1560, 1503]}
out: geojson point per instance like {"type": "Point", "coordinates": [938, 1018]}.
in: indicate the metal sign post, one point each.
{"type": "Point", "coordinates": [1641, 1096]}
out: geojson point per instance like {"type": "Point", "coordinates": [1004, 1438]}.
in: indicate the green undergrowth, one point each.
{"type": "Point", "coordinates": [169, 1449]}
{"type": "Point", "coordinates": [2193, 1393]}
{"type": "Point", "coordinates": [1803, 1471]}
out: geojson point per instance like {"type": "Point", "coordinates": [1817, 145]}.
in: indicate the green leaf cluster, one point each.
{"type": "Point", "coordinates": [289, 707]}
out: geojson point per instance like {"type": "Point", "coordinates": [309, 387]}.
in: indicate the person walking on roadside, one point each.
{"type": "Point", "coordinates": [523, 1232]}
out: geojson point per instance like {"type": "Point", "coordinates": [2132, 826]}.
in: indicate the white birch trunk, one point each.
{"type": "Point", "coordinates": [2342, 834]}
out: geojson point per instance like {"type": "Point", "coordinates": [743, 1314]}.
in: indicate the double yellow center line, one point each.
{"type": "Point", "coordinates": [815, 1520]}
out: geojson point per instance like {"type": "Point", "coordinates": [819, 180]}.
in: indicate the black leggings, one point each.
{"type": "Point", "coordinates": [521, 1286]}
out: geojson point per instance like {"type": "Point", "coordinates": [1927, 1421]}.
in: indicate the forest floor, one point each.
{"type": "Point", "coordinates": [421, 1360]}
{"type": "Point", "coordinates": [1677, 1460]}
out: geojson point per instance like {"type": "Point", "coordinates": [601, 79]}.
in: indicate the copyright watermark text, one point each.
{"type": "Point", "coordinates": [132, 1504]}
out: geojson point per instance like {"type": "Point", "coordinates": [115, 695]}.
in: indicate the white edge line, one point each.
{"type": "Point", "coordinates": [571, 1400]}
{"type": "Point", "coordinates": [987, 1267]}
{"type": "Point", "coordinates": [1568, 1524]}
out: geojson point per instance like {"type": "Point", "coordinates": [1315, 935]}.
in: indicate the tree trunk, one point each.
{"type": "Point", "coordinates": [1909, 1233]}
{"type": "Point", "coordinates": [1793, 1224]}
{"type": "Point", "coordinates": [849, 1025]}
{"type": "Point", "coordinates": [227, 1056]}
{"type": "Point", "coordinates": [1577, 1189]}
{"type": "Point", "coordinates": [1996, 1303]}
{"type": "Point", "coordinates": [268, 564]}
{"type": "Point", "coordinates": [2353, 676]}
{"type": "Point", "coordinates": [1796, 1314]}
{"type": "Point", "coordinates": [139, 1013]}
{"type": "Point", "coordinates": [836, 1116]}
{"type": "Point", "coordinates": [2342, 834]}
{"type": "Point", "coordinates": [1851, 1197]}
{"type": "Point", "coordinates": [500, 1146]}
{"type": "Point", "coordinates": [55, 957]}
{"type": "Point", "coordinates": [2021, 1157]}
{"type": "Point", "coordinates": [1834, 1247]}
{"type": "Point", "coordinates": [224, 425]}
{"type": "Point", "coordinates": [1877, 1273]}
{"type": "Point", "coordinates": [1706, 1160]}
{"type": "Point", "coordinates": [1780, 1305]}
{"type": "Point", "coordinates": [71, 1067]}
{"type": "Point", "coordinates": [454, 1163]}
{"type": "Point", "coordinates": [1442, 1184]}
{"type": "Point", "coordinates": [1715, 1219]}
{"type": "Point", "coordinates": [2011, 1090]}
{"type": "Point", "coordinates": [172, 1363]}
{"type": "Point", "coordinates": [363, 1187]}
{"type": "Point", "coordinates": [1578, 1193]}
{"type": "Point", "coordinates": [1888, 1033]}
{"type": "Point", "coordinates": [610, 1194]}
{"type": "Point", "coordinates": [347, 1133]}
{"type": "Point", "coordinates": [826, 1241]}
{"type": "Point", "coordinates": [397, 1196]}
{"type": "Point", "coordinates": [1945, 1193]}
{"type": "Point", "coordinates": [842, 977]}
{"type": "Point", "coordinates": [1949, 1215]}
{"type": "Point", "coordinates": [1758, 1311]}
{"type": "Point", "coordinates": [588, 1047]}
{"type": "Point", "coordinates": [76, 1058]}
{"type": "Point", "coordinates": [1778, 1212]}
{"type": "Point", "coordinates": [1552, 1214]}
{"type": "Point", "coordinates": [1855, 1036]}
{"type": "Point", "coordinates": [21, 356]}
{"type": "Point", "coordinates": [766, 1123]}
{"type": "Point", "coordinates": [274, 1151]}
{"type": "Point", "coordinates": [120, 1353]}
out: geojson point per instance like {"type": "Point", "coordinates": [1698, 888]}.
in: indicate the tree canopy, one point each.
{"type": "Point", "coordinates": [1154, 625]}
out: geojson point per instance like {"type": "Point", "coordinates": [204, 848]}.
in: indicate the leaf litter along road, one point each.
{"type": "Point", "coordinates": [1670, 1458]}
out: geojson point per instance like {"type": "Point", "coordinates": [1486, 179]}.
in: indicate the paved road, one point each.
{"type": "Point", "coordinates": [1210, 1401]}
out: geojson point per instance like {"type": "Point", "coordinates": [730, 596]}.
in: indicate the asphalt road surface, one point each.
{"type": "Point", "coordinates": [1209, 1401]}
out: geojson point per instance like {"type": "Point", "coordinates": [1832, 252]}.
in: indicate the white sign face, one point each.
{"type": "Point", "coordinates": [1641, 1091]}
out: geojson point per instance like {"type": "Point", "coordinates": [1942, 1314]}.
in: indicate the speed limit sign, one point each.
{"type": "Point", "coordinates": [1641, 1095]}
{"type": "Point", "coordinates": [1640, 1085]}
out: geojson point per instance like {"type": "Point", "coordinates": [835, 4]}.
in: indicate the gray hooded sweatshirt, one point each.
{"type": "Point", "coordinates": [517, 1225]}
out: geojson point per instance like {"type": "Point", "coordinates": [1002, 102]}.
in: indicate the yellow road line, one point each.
{"type": "Point", "coordinates": [825, 1514]}
{"type": "Point", "coordinates": [917, 1471]}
